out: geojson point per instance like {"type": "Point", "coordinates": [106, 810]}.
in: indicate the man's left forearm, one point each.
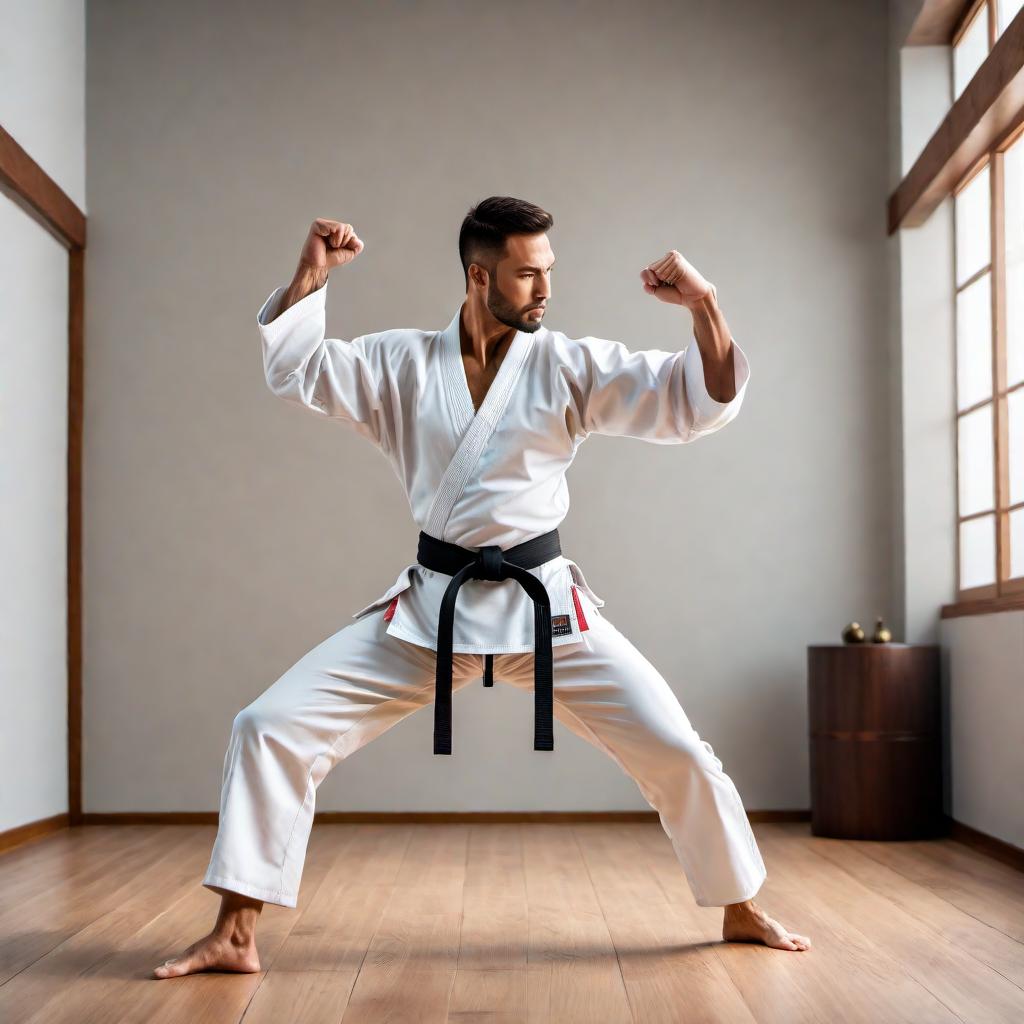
{"type": "Point", "coordinates": [714, 340]}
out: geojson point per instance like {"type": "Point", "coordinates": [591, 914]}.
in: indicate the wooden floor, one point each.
{"type": "Point", "coordinates": [507, 922]}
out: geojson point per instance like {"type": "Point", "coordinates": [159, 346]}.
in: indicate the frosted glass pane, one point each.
{"type": "Point", "coordinates": [1015, 416]}
{"type": "Point", "coordinates": [1015, 324]}
{"type": "Point", "coordinates": [970, 52]}
{"type": "Point", "coordinates": [978, 552]}
{"type": "Point", "coordinates": [974, 343]}
{"type": "Point", "coordinates": [1017, 542]}
{"type": "Point", "coordinates": [974, 461]}
{"type": "Point", "coordinates": [1014, 184]}
{"type": "Point", "coordinates": [972, 227]}
{"type": "Point", "coordinates": [1007, 12]}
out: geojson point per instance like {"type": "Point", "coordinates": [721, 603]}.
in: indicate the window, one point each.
{"type": "Point", "coordinates": [982, 23]}
{"type": "Point", "coordinates": [989, 266]}
{"type": "Point", "coordinates": [1007, 11]}
{"type": "Point", "coordinates": [970, 45]}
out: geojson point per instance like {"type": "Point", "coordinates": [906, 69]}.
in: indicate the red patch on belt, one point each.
{"type": "Point", "coordinates": [579, 609]}
{"type": "Point", "coordinates": [389, 614]}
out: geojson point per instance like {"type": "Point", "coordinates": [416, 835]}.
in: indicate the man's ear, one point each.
{"type": "Point", "coordinates": [478, 275]}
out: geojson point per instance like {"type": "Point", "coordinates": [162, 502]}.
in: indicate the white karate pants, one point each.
{"type": "Point", "coordinates": [361, 681]}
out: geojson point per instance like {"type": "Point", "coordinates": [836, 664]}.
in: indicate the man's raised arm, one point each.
{"type": "Point", "coordinates": [661, 396]}
{"type": "Point", "coordinates": [330, 243]}
{"type": "Point", "coordinates": [329, 376]}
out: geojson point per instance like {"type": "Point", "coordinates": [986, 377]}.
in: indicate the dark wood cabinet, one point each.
{"type": "Point", "coordinates": [874, 717]}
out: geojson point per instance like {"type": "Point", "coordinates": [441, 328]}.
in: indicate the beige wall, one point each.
{"type": "Point", "coordinates": [226, 533]}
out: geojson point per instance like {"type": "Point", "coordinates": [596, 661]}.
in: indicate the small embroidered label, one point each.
{"type": "Point", "coordinates": [560, 625]}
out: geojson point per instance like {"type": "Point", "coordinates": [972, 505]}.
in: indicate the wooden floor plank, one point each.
{"type": "Point", "coordinates": [868, 862]}
{"type": "Point", "coordinates": [177, 910]}
{"type": "Point", "coordinates": [573, 973]}
{"type": "Point", "coordinates": [316, 967]}
{"type": "Point", "coordinates": [54, 893]}
{"type": "Point", "coordinates": [48, 858]}
{"type": "Point", "coordinates": [409, 967]}
{"type": "Point", "coordinates": [491, 979]}
{"type": "Point", "coordinates": [36, 926]}
{"type": "Point", "coordinates": [978, 885]}
{"type": "Point", "coordinates": [968, 988]}
{"type": "Point", "coordinates": [670, 968]}
{"type": "Point", "coordinates": [32, 994]}
{"type": "Point", "coordinates": [844, 977]}
{"type": "Point", "coordinates": [513, 923]}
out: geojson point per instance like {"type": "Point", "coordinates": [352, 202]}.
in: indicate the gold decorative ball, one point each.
{"type": "Point", "coordinates": [881, 635]}
{"type": "Point", "coordinates": [853, 634]}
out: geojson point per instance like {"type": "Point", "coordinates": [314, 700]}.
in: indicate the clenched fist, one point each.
{"type": "Point", "coordinates": [330, 243]}
{"type": "Point", "coordinates": [674, 279]}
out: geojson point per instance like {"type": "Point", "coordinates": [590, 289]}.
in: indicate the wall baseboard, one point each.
{"type": "Point", "coordinates": [33, 830]}
{"type": "Point", "coordinates": [998, 849]}
{"type": "Point", "coordinates": [425, 817]}
{"type": "Point", "coordinates": [24, 833]}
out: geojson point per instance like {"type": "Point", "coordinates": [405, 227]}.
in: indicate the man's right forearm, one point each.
{"type": "Point", "coordinates": [307, 279]}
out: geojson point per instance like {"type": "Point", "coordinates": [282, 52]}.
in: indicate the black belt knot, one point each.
{"type": "Point", "coordinates": [491, 559]}
{"type": "Point", "coordinates": [490, 562]}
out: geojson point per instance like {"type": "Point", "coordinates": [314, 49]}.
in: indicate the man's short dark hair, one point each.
{"type": "Point", "coordinates": [488, 225]}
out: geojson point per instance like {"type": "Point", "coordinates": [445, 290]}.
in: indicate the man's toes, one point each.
{"type": "Point", "coordinates": [173, 968]}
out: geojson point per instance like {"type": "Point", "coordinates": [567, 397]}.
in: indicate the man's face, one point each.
{"type": "Point", "coordinates": [519, 289]}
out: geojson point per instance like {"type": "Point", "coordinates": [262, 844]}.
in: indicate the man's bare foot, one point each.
{"type": "Point", "coordinates": [747, 922]}
{"type": "Point", "coordinates": [231, 946]}
{"type": "Point", "coordinates": [211, 953]}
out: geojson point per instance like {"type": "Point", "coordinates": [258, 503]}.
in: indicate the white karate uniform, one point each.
{"type": "Point", "coordinates": [491, 477]}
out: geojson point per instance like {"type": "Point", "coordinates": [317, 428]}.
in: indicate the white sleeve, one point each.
{"type": "Point", "coordinates": [326, 375]}
{"type": "Point", "coordinates": [650, 394]}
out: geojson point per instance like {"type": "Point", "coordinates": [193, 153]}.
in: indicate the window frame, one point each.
{"type": "Point", "coordinates": [1006, 592]}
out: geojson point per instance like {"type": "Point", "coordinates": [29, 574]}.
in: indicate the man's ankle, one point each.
{"type": "Point", "coordinates": [743, 907]}
{"type": "Point", "coordinates": [237, 919]}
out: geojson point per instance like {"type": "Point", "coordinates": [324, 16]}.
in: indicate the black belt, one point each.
{"type": "Point", "coordinates": [491, 563]}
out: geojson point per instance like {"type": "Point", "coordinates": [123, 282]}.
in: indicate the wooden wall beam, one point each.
{"type": "Point", "coordinates": [38, 194]}
{"type": "Point", "coordinates": [987, 113]}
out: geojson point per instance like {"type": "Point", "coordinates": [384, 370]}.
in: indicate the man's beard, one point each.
{"type": "Point", "coordinates": [504, 312]}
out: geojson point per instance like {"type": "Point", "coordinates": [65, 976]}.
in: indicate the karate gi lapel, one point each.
{"type": "Point", "coordinates": [477, 427]}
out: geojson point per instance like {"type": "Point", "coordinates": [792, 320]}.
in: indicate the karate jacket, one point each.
{"type": "Point", "coordinates": [497, 475]}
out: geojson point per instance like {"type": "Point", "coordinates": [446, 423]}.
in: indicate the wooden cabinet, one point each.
{"type": "Point", "coordinates": [874, 717]}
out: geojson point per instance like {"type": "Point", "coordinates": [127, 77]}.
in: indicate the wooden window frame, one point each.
{"type": "Point", "coordinates": [1006, 593]}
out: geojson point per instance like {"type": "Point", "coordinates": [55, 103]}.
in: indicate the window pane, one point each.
{"type": "Point", "coordinates": [974, 343]}
{"type": "Point", "coordinates": [1013, 166]}
{"type": "Point", "coordinates": [1007, 11]}
{"type": "Point", "coordinates": [974, 460]}
{"type": "Point", "coordinates": [1017, 542]}
{"type": "Point", "coordinates": [970, 51]}
{"type": "Point", "coordinates": [973, 250]}
{"type": "Point", "coordinates": [978, 552]}
{"type": "Point", "coordinates": [1015, 419]}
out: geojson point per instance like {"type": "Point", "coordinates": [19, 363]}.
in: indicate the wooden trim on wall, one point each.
{"type": "Point", "coordinates": [970, 12]}
{"type": "Point", "coordinates": [999, 849]}
{"type": "Point", "coordinates": [938, 21]}
{"type": "Point", "coordinates": [418, 817]}
{"type": "Point", "coordinates": [984, 606]}
{"type": "Point", "coordinates": [39, 195]}
{"type": "Point", "coordinates": [28, 185]}
{"type": "Point", "coordinates": [76, 402]}
{"type": "Point", "coordinates": [32, 830]}
{"type": "Point", "coordinates": [983, 117]}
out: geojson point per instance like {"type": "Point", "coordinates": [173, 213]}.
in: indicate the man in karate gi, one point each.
{"type": "Point", "coordinates": [480, 422]}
